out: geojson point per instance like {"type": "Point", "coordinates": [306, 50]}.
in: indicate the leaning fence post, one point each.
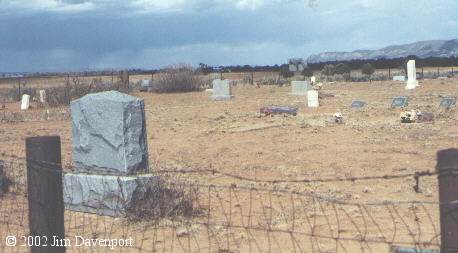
{"type": "Point", "coordinates": [447, 166]}
{"type": "Point", "coordinates": [45, 196]}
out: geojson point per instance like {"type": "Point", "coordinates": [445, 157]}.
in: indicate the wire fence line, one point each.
{"type": "Point", "coordinates": [200, 217]}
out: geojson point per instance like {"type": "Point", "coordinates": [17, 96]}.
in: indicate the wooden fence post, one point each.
{"type": "Point", "coordinates": [45, 193]}
{"type": "Point", "coordinates": [447, 166]}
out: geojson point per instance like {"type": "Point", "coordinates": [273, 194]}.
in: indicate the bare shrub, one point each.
{"type": "Point", "coordinates": [163, 201]}
{"type": "Point", "coordinates": [179, 78]}
{"type": "Point", "coordinates": [5, 182]}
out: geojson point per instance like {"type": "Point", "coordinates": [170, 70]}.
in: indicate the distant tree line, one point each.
{"type": "Point", "coordinates": [336, 67]}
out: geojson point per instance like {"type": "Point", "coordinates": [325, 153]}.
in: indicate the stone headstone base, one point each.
{"type": "Point", "coordinates": [104, 194]}
{"type": "Point", "coordinates": [221, 98]}
{"type": "Point", "coordinates": [410, 85]}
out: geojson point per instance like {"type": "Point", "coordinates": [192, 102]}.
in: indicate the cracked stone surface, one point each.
{"type": "Point", "coordinates": [109, 134]}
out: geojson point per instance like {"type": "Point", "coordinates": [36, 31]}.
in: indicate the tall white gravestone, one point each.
{"type": "Point", "coordinates": [222, 90]}
{"type": "Point", "coordinates": [312, 98]}
{"type": "Point", "coordinates": [300, 88]}
{"type": "Point", "coordinates": [42, 96]}
{"type": "Point", "coordinates": [25, 102]}
{"type": "Point", "coordinates": [109, 151]}
{"type": "Point", "coordinates": [412, 82]}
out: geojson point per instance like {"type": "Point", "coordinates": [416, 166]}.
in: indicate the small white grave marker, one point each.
{"type": "Point", "coordinates": [25, 102]}
{"type": "Point", "coordinates": [312, 98]}
{"type": "Point", "coordinates": [313, 79]}
{"type": "Point", "coordinates": [222, 90]}
{"type": "Point", "coordinates": [42, 96]}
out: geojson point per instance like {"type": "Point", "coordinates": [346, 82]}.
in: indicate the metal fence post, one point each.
{"type": "Point", "coordinates": [447, 165]}
{"type": "Point", "coordinates": [45, 193]}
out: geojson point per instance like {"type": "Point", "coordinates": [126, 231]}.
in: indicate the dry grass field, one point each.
{"type": "Point", "coordinates": [188, 132]}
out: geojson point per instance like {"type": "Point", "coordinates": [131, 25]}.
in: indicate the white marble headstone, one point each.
{"type": "Point", "coordinates": [300, 88]}
{"type": "Point", "coordinates": [222, 90]}
{"type": "Point", "coordinates": [25, 102]}
{"type": "Point", "coordinates": [42, 96]}
{"type": "Point", "coordinates": [412, 82]}
{"type": "Point", "coordinates": [312, 98]}
{"type": "Point", "coordinates": [313, 79]}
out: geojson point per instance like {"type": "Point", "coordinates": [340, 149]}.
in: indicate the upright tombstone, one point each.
{"type": "Point", "coordinates": [109, 133]}
{"type": "Point", "coordinates": [222, 90]}
{"type": "Point", "coordinates": [145, 85]}
{"type": "Point", "coordinates": [300, 88]}
{"type": "Point", "coordinates": [313, 80]}
{"type": "Point", "coordinates": [412, 82]}
{"type": "Point", "coordinates": [312, 98]}
{"type": "Point", "coordinates": [109, 151]}
{"type": "Point", "coordinates": [42, 96]}
{"type": "Point", "coordinates": [25, 102]}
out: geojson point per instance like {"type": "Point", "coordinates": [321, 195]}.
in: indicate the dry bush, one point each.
{"type": "Point", "coordinates": [74, 89]}
{"type": "Point", "coordinates": [163, 200]}
{"type": "Point", "coordinates": [5, 182]}
{"type": "Point", "coordinates": [179, 78]}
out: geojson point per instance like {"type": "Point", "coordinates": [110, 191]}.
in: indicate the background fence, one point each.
{"type": "Point", "coordinates": [191, 216]}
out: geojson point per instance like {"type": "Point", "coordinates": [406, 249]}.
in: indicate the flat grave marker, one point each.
{"type": "Point", "coordinates": [399, 102]}
{"type": "Point", "coordinates": [357, 104]}
{"type": "Point", "coordinates": [448, 102]}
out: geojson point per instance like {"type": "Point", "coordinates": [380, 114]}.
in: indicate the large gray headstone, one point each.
{"type": "Point", "coordinates": [300, 88]}
{"type": "Point", "coordinates": [109, 134]}
{"type": "Point", "coordinates": [222, 90]}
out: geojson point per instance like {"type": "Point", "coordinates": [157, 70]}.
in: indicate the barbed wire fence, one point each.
{"type": "Point", "coordinates": [176, 215]}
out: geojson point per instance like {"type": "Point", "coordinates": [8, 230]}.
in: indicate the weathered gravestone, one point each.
{"type": "Point", "coordinates": [222, 90]}
{"type": "Point", "coordinates": [109, 133]}
{"type": "Point", "coordinates": [412, 82]}
{"type": "Point", "coordinates": [400, 101]}
{"type": "Point", "coordinates": [145, 85]}
{"type": "Point", "coordinates": [312, 98]}
{"type": "Point", "coordinates": [25, 102]}
{"type": "Point", "coordinates": [448, 102]}
{"type": "Point", "coordinates": [300, 88]}
{"type": "Point", "coordinates": [109, 150]}
{"type": "Point", "coordinates": [357, 104]}
{"type": "Point", "coordinates": [42, 96]}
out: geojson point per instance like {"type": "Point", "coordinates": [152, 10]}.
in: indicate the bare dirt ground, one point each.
{"type": "Point", "coordinates": [190, 132]}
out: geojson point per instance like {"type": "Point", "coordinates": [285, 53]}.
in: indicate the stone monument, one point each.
{"type": "Point", "coordinates": [222, 90]}
{"type": "Point", "coordinates": [412, 82]}
{"type": "Point", "coordinates": [109, 151]}
{"type": "Point", "coordinates": [300, 88]}
{"type": "Point", "coordinates": [312, 98]}
{"type": "Point", "coordinates": [42, 96]}
{"type": "Point", "coordinates": [25, 102]}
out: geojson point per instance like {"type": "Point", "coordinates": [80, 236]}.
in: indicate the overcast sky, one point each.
{"type": "Point", "coordinates": [65, 35]}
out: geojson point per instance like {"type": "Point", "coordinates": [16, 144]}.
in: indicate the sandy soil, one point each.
{"type": "Point", "coordinates": [190, 132]}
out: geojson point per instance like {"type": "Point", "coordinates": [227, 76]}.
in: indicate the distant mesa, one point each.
{"type": "Point", "coordinates": [421, 49]}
